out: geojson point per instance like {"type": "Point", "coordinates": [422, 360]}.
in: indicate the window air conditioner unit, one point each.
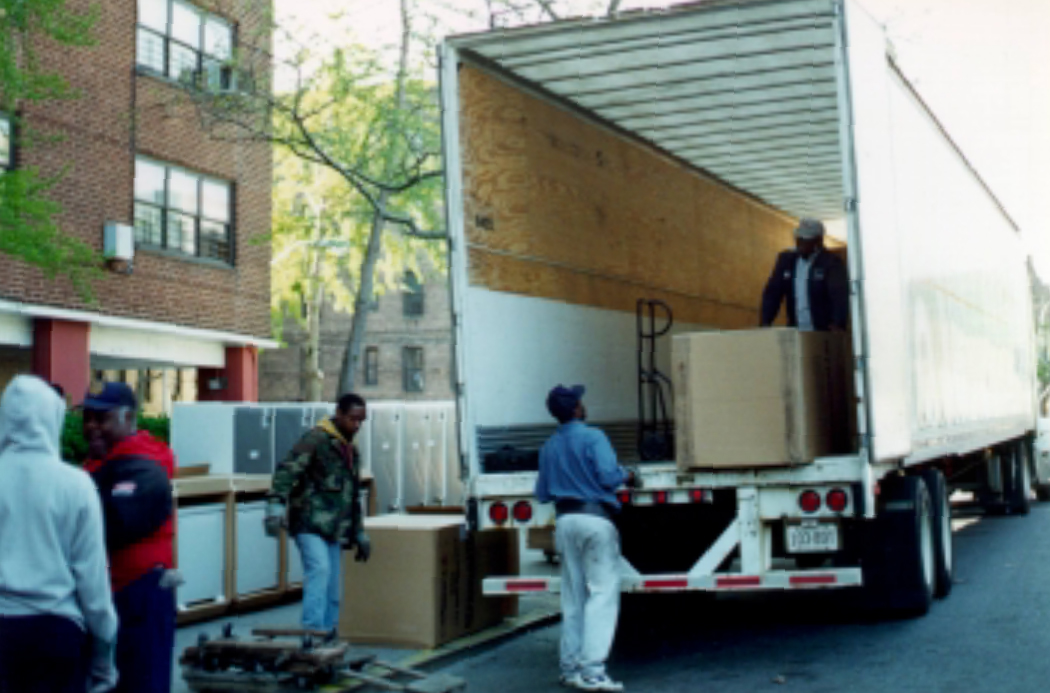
{"type": "Point", "coordinates": [118, 242]}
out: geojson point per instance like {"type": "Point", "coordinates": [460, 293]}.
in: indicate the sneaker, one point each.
{"type": "Point", "coordinates": [598, 683]}
{"type": "Point", "coordinates": [571, 680]}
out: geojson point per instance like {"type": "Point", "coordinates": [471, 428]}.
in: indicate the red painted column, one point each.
{"type": "Point", "coordinates": [61, 354]}
{"type": "Point", "coordinates": [239, 380]}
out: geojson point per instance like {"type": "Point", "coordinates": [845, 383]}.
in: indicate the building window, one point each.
{"type": "Point", "coordinates": [372, 365]}
{"type": "Point", "coordinates": [7, 151]}
{"type": "Point", "coordinates": [413, 296]}
{"type": "Point", "coordinates": [182, 211]}
{"type": "Point", "coordinates": [412, 358]}
{"type": "Point", "coordinates": [180, 41]}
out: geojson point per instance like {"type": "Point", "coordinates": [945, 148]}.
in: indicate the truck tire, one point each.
{"type": "Point", "coordinates": [1019, 480]}
{"type": "Point", "coordinates": [943, 539]}
{"type": "Point", "coordinates": [1042, 493]}
{"type": "Point", "coordinates": [899, 557]}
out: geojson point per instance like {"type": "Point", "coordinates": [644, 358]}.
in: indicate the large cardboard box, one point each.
{"type": "Point", "coordinates": [422, 586]}
{"type": "Point", "coordinates": [759, 398]}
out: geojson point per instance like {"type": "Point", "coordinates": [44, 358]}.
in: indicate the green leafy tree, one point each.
{"type": "Point", "coordinates": [28, 229]}
{"type": "Point", "coordinates": [358, 144]}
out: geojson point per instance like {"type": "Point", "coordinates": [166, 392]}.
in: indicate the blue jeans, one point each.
{"type": "Point", "coordinates": [322, 581]}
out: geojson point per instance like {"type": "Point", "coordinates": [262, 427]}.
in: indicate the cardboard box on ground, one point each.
{"type": "Point", "coordinates": [761, 398]}
{"type": "Point", "coordinates": [422, 586]}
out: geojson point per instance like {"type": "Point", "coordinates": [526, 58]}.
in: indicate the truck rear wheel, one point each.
{"type": "Point", "coordinates": [899, 561]}
{"type": "Point", "coordinates": [1019, 480]}
{"type": "Point", "coordinates": [943, 539]}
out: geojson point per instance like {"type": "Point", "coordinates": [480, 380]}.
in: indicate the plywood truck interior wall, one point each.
{"type": "Point", "coordinates": [573, 222]}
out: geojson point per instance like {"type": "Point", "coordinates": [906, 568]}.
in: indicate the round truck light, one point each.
{"type": "Point", "coordinates": [696, 495]}
{"type": "Point", "coordinates": [660, 497]}
{"type": "Point", "coordinates": [498, 513]}
{"type": "Point", "coordinates": [809, 501]}
{"type": "Point", "coordinates": [624, 497]}
{"type": "Point", "coordinates": [836, 500]}
{"type": "Point", "coordinates": [522, 511]}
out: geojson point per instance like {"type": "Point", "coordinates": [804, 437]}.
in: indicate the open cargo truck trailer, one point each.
{"type": "Point", "coordinates": [667, 156]}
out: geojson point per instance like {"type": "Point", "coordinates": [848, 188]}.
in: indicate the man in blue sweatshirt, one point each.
{"type": "Point", "coordinates": [579, 474]}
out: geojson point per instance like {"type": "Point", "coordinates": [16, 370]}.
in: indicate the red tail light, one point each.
{"type": "Point", "coordinates": [837, 500]}
{"type": "Point", "coordinates": [498, 513]}
{"type": "Point", "coordinates": [660, 497]}
{"type": "Point", "coordinates": [809, 501]}
{"type": "Point", "coordinates": [624, 497]}
{"type": "Point", "coordinates": [696, 495]}
{"type": "Point", "coordinates": [522, 511]}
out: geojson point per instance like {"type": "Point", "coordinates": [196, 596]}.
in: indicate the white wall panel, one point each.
{"type": "Point", "coordinates": [521, 347]}
{"type": "Point", "coordinates": [946, 293]}
{"type": "Point", "coordinates": [889, 406]}
{"type": "Point", "coordinates": [969, 307]}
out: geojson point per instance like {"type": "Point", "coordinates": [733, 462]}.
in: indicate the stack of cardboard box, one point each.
{"type": "Point", "coordinates": [422, 585]}
{"type": "Point", "coordinates": [761, 398]}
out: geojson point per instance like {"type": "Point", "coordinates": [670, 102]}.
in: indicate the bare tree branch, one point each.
{"type": "Point", "coordinates": [410, 228]}
{"type": "Point", "coordinates": [546, 6]}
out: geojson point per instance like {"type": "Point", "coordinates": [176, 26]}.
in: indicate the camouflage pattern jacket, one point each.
{"type": "Point", "coordinates": [320, 483]}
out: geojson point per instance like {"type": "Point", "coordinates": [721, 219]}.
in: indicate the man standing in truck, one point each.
{"type": "Point", "coordinates": [813, 281]}
{"type": "Point", "coordinates": [315, 493]}
{"type": "Point", "coordinates": [579, 474]}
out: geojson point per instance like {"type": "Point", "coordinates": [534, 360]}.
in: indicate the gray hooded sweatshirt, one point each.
{"type": "Point", "coordinates": [52, 545]}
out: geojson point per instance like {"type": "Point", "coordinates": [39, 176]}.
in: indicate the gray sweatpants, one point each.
{"type": "Point", "coordinates": [590, 591]}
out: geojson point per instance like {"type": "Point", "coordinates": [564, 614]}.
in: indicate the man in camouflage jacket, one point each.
{"type": "Point", "coordinates": [315, 493]}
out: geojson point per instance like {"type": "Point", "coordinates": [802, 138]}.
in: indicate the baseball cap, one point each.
{"type": "Point", "coordinates": [808, 229]}
{"type": "Point", "coordinates": [562, 401]}
{"type": "Point", "coordinates": [110, 396]}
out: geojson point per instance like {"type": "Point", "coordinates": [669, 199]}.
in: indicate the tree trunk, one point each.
{"type": "Point", "coordinates": [315, 376]}
{"type": "Point", "coordinates": [359, 323]}
{"type": "Point", "coordinates": [312, 381]}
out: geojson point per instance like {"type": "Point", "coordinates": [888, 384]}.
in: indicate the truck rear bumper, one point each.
{"type": "Point", "coordinates": [775, 580]}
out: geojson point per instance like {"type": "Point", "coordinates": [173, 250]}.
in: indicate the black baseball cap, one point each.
{"type": "Point", "coordinates": [562, 401]}
{"type": "Point", "coordinates": [110, 396]}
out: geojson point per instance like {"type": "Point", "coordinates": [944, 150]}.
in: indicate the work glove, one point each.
{"type": "Point", "coordinates": [634, 479]}
{"type": "Point", "coordinates": [364, 547]}
{"type": "Point", "coordinates": [275, 518]}
{"type": "Point", "coordinates": [102, 676]}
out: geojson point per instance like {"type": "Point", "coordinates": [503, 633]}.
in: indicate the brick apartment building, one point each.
{"type": "Point", "coordinates": [406, 354]}
{"type": "Point", "coordinates": [194, 309]}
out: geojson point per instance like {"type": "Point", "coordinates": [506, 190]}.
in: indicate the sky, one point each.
{"type": "Point", "coordinates": [983, 66]}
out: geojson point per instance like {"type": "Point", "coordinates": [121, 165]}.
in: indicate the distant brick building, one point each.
{"type": "Point", "coordinates": [196, 303]}
{"type": "Point", "coordinates": [406, 354]}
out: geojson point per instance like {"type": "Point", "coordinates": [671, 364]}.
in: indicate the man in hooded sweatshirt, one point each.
{"type": "Point", "coordinates": [55, 600]}
{"type": "Point", "coordinates": [316, 494]}
{"type": "Point", "coordinates": [132, 471]}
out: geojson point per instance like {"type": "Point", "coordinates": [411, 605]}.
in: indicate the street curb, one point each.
{"type": "Point", "coordinates": [486, 639]}
{"type": "Point", "coordinates": [460, 649]}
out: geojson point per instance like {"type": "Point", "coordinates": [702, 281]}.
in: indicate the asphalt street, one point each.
{"type": "Point", "coordinates": [991, 635]}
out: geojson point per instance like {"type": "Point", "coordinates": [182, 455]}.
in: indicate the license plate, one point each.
{"type": "Point", "coordinates": [812, 538]}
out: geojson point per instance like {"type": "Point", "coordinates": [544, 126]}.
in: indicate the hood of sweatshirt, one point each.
{"type": "Point", "coordinates": [31, 418]}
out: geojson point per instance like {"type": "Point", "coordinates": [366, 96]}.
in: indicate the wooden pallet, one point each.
{"type": "Point", "coordinates": [273, 663]}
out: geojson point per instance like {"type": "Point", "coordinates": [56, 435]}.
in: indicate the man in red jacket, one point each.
{"type": "Point", "coordinates": [133, 472]}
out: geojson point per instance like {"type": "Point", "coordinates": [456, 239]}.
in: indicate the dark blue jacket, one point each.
{"type": "Point", "coordinates": [828, 291]}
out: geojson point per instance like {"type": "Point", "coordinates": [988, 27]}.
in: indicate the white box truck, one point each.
{"type": "Point", "coordinates": [666, 156]}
